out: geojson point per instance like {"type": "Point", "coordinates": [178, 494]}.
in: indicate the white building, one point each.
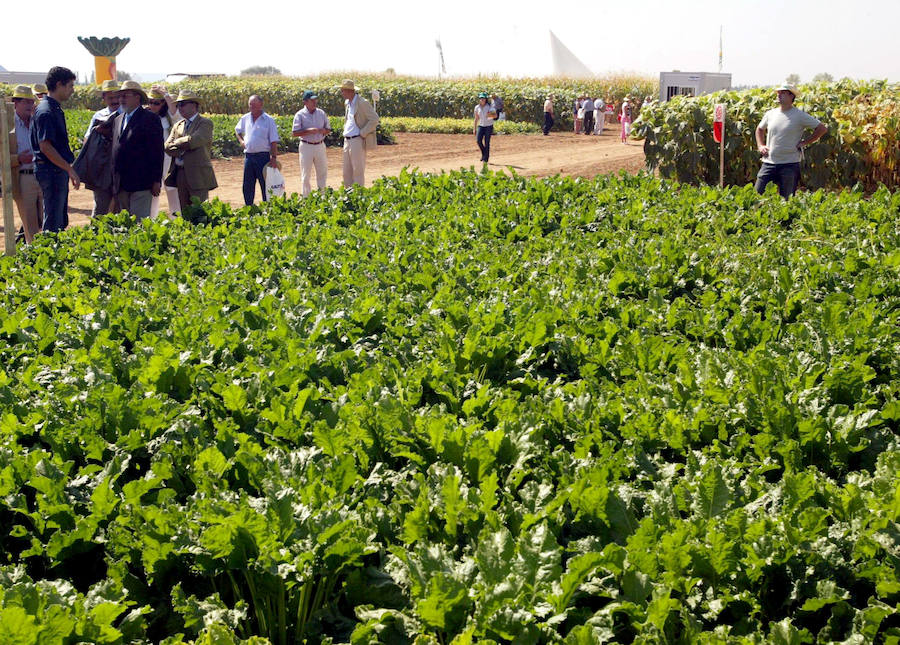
{"type": "Point", "coordinates": [691, 84]}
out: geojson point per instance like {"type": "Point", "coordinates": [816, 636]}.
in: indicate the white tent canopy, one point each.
{"type": "Point", "coordinates": [565, 63]}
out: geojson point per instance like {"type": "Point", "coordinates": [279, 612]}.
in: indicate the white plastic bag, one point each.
{"type": "Point", "coordinates": [274, 182]}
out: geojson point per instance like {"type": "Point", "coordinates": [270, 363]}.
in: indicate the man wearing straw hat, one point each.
{"type": "Point", "coordinates": [360, 122]}
{"type": "Point", "coordinates": [25, 189]}
{"type": "Point", "coordinates": [137, 152]}
{"type": "Point", "coordinates": [779, 137]}
{"type": "Point", "coordinates": [40, 91]}
{"type": "Point", "coordinates": [190, 146]}
{"type": "Point", "coordinates": [109, 92]}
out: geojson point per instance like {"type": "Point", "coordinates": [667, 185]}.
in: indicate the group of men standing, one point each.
{"type": "Point", "coordinates": [133, 150]}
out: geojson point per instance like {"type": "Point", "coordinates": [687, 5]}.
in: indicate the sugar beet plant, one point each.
{"type": "Point", "coordinates": [454, 409]}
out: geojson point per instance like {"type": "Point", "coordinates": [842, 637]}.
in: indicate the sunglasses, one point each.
{"type": "Point", "coordinates": [156, 102]}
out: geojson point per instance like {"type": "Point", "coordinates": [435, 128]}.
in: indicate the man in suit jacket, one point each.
{"type": "Point", "coordinates": [137, 152]}
{"type": "Point", "coordinates": [360, 122]}
{"type": "Point", "coordinates": [25, 189]}
{"type": "Point", "coordinates": [190, 145]}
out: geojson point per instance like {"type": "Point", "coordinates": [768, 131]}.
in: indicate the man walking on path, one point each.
{"type": "Point", "coordinates": [25, 189]}
{"type": "Point", "coordinates": [190, 145]}
{"type": "Point", "coordinates": [360, 122]}
{"type": "Point", "coordinates": [548, 115]}
{"type": "Point", "coordinates": [109, 91]}
{"type": "Point", "coordinates": [779, 138]}
{"type": "Point", "coordinates": [137, 152]}
{"type": "Point", "coordinates": [484, 126]}
{"type": "Point", "coordinates": [258, 135]}
{"type": "Point", "coordinates": [311, 125]}
{"type": "Point", "coordinates": [52, 156]}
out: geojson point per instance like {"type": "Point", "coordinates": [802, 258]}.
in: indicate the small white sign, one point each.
{"type": "Point", "coordinates": [376, 95]}
{"type": "Point", "coordinates": [720, 113]}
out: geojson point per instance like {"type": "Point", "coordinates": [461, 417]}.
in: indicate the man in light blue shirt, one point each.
{"type": "Point", "coordinates": [258, 135]}
{"type": "Point", "coordinates": [103, 199]}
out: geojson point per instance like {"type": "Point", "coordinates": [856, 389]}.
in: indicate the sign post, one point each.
{"type": "Point", "coordinates": [719, 136]}
{"type": "Point", "coordinates": [9, 225]}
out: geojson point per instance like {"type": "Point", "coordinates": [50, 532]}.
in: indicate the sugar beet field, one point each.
{"type": "Point", "coordinates": [455, 409]}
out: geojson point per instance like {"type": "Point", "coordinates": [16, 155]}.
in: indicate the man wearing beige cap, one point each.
{"type": "Point", "coordinates": [25, 188]}
{"type": "Point", "coordinates": [360, 122]}
{"type": "Point", "coordinates": [779, 137]}
{"type": "Point", "coordinates": [109, 92]}
{"type": "Point", "coordinates": [190, 146]}
{"type": "Point", "coordinates": [137, 152]}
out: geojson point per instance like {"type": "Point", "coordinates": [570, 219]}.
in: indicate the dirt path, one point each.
{"type": "Point", "coordinates": [561, 153]}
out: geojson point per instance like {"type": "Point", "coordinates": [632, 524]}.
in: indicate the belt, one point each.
{"type": "Point", "coordinates": [26, 171]}
{"type": "Point", "coordinates": [315, 143]}
{"type": "Point", "coordinates": [355, 136]}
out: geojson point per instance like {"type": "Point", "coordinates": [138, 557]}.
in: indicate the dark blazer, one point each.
{"type": "Point", "coordinates": [138, 152]}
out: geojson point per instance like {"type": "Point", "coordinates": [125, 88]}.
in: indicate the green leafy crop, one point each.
{"type": "Point", "coordinates": [453, 409]}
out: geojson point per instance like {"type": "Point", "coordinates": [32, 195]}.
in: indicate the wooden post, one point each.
{"type": "Point", "coordinates": [722, 161]}
{"type": "Point", "coordinates": [9, 225]}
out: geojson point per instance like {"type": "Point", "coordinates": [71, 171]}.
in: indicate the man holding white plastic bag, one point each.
{"type": "Point", "coordinates": [311, 125]}
{"type": "Point", "coordinates": [258, 135]}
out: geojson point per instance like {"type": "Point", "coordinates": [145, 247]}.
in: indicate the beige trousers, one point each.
{"type": "Point", "coordinates": [30, 204]}
{"type": "Point", "coordinates": [185, 192]}
{"type": "Point", "coordinates": [313, 155]}
{"type": "Point", "coordinates": [354, 162]}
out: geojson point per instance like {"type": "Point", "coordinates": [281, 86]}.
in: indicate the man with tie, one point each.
{"type": "Point", "coordinates": [137, 153]}
{"type": "Point", "coordinates": [360, 122]}
{"type": "Point", "coordinates": [190, 146]}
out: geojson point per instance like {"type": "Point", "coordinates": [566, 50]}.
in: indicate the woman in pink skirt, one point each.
{"type": "Point", "coordinates": [625, 118]}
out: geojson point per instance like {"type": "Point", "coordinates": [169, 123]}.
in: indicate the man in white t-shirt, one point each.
{"type": "Point", "coordinates": [779, 137]}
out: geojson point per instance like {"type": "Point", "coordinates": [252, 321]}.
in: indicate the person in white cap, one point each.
{"type": "Point", "coordinates": [779, 138]}
{"type": "Point", "coordinates": [360, 122]}
{"type": "Point", "coordinates": [311, 125]}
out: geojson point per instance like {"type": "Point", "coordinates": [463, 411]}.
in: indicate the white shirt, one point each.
{"type": "Point", "coordinates": [481, 113]}
{"type": "Point", "coordinates": [258, 135]}
{"type": "Point", "coordinates": [784, 130]}
{"type": "Point", "coordinates": [350, 127]}
{"type": "Point", "coordinates": [100, 115]}
{"type": "Point", "coordinates": [548, 105]}
{"type": "Point", "coordinates": [305, 119]}
{"type": "Point", "coordinates": [23, 140]}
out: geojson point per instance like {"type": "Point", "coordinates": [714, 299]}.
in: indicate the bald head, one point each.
{"type": "Point", "coordinates": [256, 106]}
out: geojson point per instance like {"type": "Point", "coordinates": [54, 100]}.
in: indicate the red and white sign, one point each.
{"type": "Point", "coordinates": [719, 122]}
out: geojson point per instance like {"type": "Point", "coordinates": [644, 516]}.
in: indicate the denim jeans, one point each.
{"type": "Point", "coordinates": [484, 141]}
{"type": "Point", "coordinates": [254, 165]}
{"type": "Point", "coordinates": [548, 122]}
{"type": "Point", "coordinates": [785, 175]}
{"type": "Point", "coordinates": [54, 182]}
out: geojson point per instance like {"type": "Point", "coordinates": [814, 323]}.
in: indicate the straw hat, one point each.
{"type": "Point", "coordinates": [156, 94]}
{"type": "Point", "coordinates": [109, 86]}
{"type": "Point", "coordinates": [134, 86]}
{"type": "Point", "coordinates": [23, 92]}
{"type": "Point", "coordinates": [788, 88]}
{"type": "Point", "coordinates": [348, 85]}
{"type": "Point", "coordinates": [39, 88]}
{"type": "Point", "coordinates": [185, 96]}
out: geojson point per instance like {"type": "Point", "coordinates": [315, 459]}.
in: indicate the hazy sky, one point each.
{"type": "Point", "coordinates": [765, 40]}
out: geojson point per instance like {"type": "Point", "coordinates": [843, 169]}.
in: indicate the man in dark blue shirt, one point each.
{"type": "Point", "coordinates": [52, 156]}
